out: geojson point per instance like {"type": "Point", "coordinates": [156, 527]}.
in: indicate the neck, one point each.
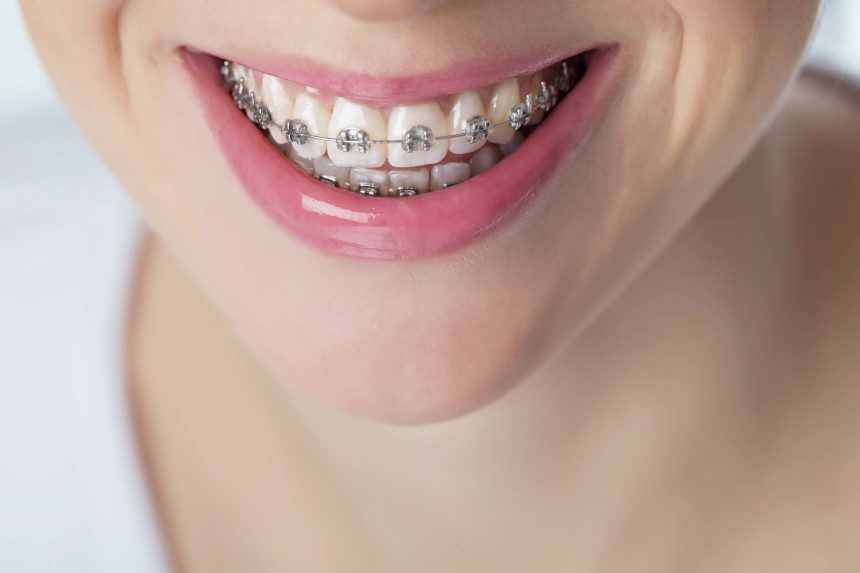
{"type": "Point", "coordinates": [578, 438]}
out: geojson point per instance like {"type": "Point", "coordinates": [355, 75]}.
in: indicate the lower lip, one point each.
{"type": "Point", "coordinates": [341, 222]}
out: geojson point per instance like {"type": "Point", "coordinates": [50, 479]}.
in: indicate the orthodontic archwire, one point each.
{"type": "Point", "coordinates": [418, 137]}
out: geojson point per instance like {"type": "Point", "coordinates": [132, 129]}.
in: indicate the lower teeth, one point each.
{"type": "Point", "coordinates": [401, 182]}
{"type": "Point", "coordinates": [405, 182]}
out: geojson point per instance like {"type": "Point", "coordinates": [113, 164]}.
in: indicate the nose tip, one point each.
{"type": "Point", "coordinates": [385, 10]}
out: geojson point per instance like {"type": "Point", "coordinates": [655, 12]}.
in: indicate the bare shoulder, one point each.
{"type": "Point", "coordinates": [788, 220]}
{"type": "Point", "coordinates": [788, 226]}
{"type": "Point", "coordinates": [817, 135]}
{"type": "Point", "coordinates": [801, 188]}
{"type": "Point", "coordinates": [816, 139]}
{"type": "Point", "coordinates": [810, 159]}
{"type": "Point", "coordinates": [819, 128]}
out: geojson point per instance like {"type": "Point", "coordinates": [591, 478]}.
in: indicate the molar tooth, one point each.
{"type": "Point", "coordinates": [324, 166]}
{"type": "Point", "coordinates": [513, 144]}
{"type": "Point", "coordinates": [375, 177]}
{"type": "Point", "coordinates": [309, 110]}
{"type": "Point", "coordinates": [280, 102]}
{"type": "Point", "coordinates": [448, 174]}
{"type": "Point", "coordinates": [404, 117]}
{"type": "Point", "coordinates": [486, 158]}
{"type": "Point", "coordinates": [347, 114]}
{"type": "Point", "coordinates": [418, 179]}
{"type": "Point", "coordinates": [505, 96]}
{"type": "Point", "coordinates": [466, 105]}
{"type": "Point", "coordinates": [563, 78]}
{"type": "Point", "coordinates": [239, 71]}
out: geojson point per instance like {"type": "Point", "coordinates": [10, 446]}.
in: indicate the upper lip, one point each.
{"type": "Point", "coordinates": [344, 223]}
{"type": "Point", "coordinates": [386, 91]}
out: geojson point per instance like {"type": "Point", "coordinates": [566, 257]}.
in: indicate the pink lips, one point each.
{"type": "Point", "coordinates": [341, 222]}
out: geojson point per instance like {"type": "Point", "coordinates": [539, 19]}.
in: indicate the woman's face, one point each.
{"type": "Point", "coordinates": [422, 308]}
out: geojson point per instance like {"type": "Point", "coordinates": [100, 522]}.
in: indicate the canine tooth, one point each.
{"type": "Point", "coordinates": [324, 166]}
{"type": "Point", "coordinates": [317, 116]}
{"type": "Point", "coordinates": [347, 114]}
{"type": "Point", "coordinates": [303, 163]}
{"type": "Point", "coordinates": [415, 178]}
{"type": "Point", "coordinates": [513, 144]}
{"type": "Point", "coordinates": [486, 158]}
{"type": "Point", "coordinates": [375, 177]}
{"type": "Point", "coordinates": [280, 102]}
{"type": "Point", "coordinates": [448, 174]}
{"type": "Point", "coordinates": [466, 105]}
{"type": "Point", "coordinates": [405, 117]}
{"type": "Point", "coordinates": [505, 95]}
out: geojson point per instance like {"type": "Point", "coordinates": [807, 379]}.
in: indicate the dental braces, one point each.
{"type": "Point", "coordinates": [418, 137]}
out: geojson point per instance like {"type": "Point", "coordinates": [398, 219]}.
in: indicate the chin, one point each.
{"type": "Point", "coordinates": [397, 360]}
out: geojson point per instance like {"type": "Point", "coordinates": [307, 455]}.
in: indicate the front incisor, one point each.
{"type": "Point", "coordinates": [404, 117]}
{"type": "Point", "coordinates": [347, 114]}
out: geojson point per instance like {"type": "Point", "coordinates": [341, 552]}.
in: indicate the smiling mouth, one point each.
{"type": "Point", "coordinates": [402, 150]}
{"type": "Point", "coordinates": [425, 176]}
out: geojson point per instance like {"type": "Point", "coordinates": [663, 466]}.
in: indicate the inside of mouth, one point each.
{"type": "Point", "coordinates": [403, 150]}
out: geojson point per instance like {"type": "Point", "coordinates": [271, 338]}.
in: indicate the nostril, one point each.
{"type": "Point", "coordinates": [385, 10]}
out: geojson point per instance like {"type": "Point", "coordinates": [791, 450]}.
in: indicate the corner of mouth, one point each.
{"type": "Point", "coordinates": [408, 181]}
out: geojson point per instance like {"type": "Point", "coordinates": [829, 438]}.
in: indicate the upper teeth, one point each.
{"type": "Point", "coordinates": [356, 135]}
{"type": "Point", "coordinates": [353, 137]}
{"type": "Point", "coordinates": [477, 129]}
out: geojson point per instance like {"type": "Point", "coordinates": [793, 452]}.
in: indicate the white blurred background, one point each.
{"type": "Point", "coordinates": [26, 88]}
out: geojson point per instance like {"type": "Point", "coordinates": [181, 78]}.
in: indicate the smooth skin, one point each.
{"type": "Point", "coordinates": [604, 402]}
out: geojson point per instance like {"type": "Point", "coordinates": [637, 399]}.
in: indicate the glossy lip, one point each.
{"type": "Point", "coordinates": [341, 222]}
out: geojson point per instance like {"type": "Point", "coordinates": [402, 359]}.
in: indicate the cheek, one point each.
{"type": "Point", "coordinates": [80, 46]}
{"type": "Point", "coordinates": [736, 58]}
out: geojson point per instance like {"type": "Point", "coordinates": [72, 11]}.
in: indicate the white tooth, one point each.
{"type": "Point", "coordinates": [280, 102]}
{"type": "Point", "coordinates": [251, 81]}
{"type": "Point", "coordinates": [348, 114]}
{"type": "Point", "coordinates": [309, 110]}
{"type": "Point", "coordinates": [513, 144]}
{"type": "Point", "coordinates": [505, 96]}
{"type": "Point", "coordinates": [239, 71]}
{"type": "Point", "coordinates": [402, 118]}
{"type": "Point", "coordinates": [534, 89]}
{"type": "Point", "coordinates": [251, 85]}
{"type": "Point", "coordinates": [303, 163]}
{"type": "Point", "coordinates": [448, 174]}
{"type": "Point", "coordinates": [418, 179]}
{"type": "Point", "coordinates": [466, 105]}
{"type": "Point", "coordinates": [359, 175]}
{"type": "Point", "coordinates": [486, 158]}
{"type": "Point", "coordinates": [323, 166]}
